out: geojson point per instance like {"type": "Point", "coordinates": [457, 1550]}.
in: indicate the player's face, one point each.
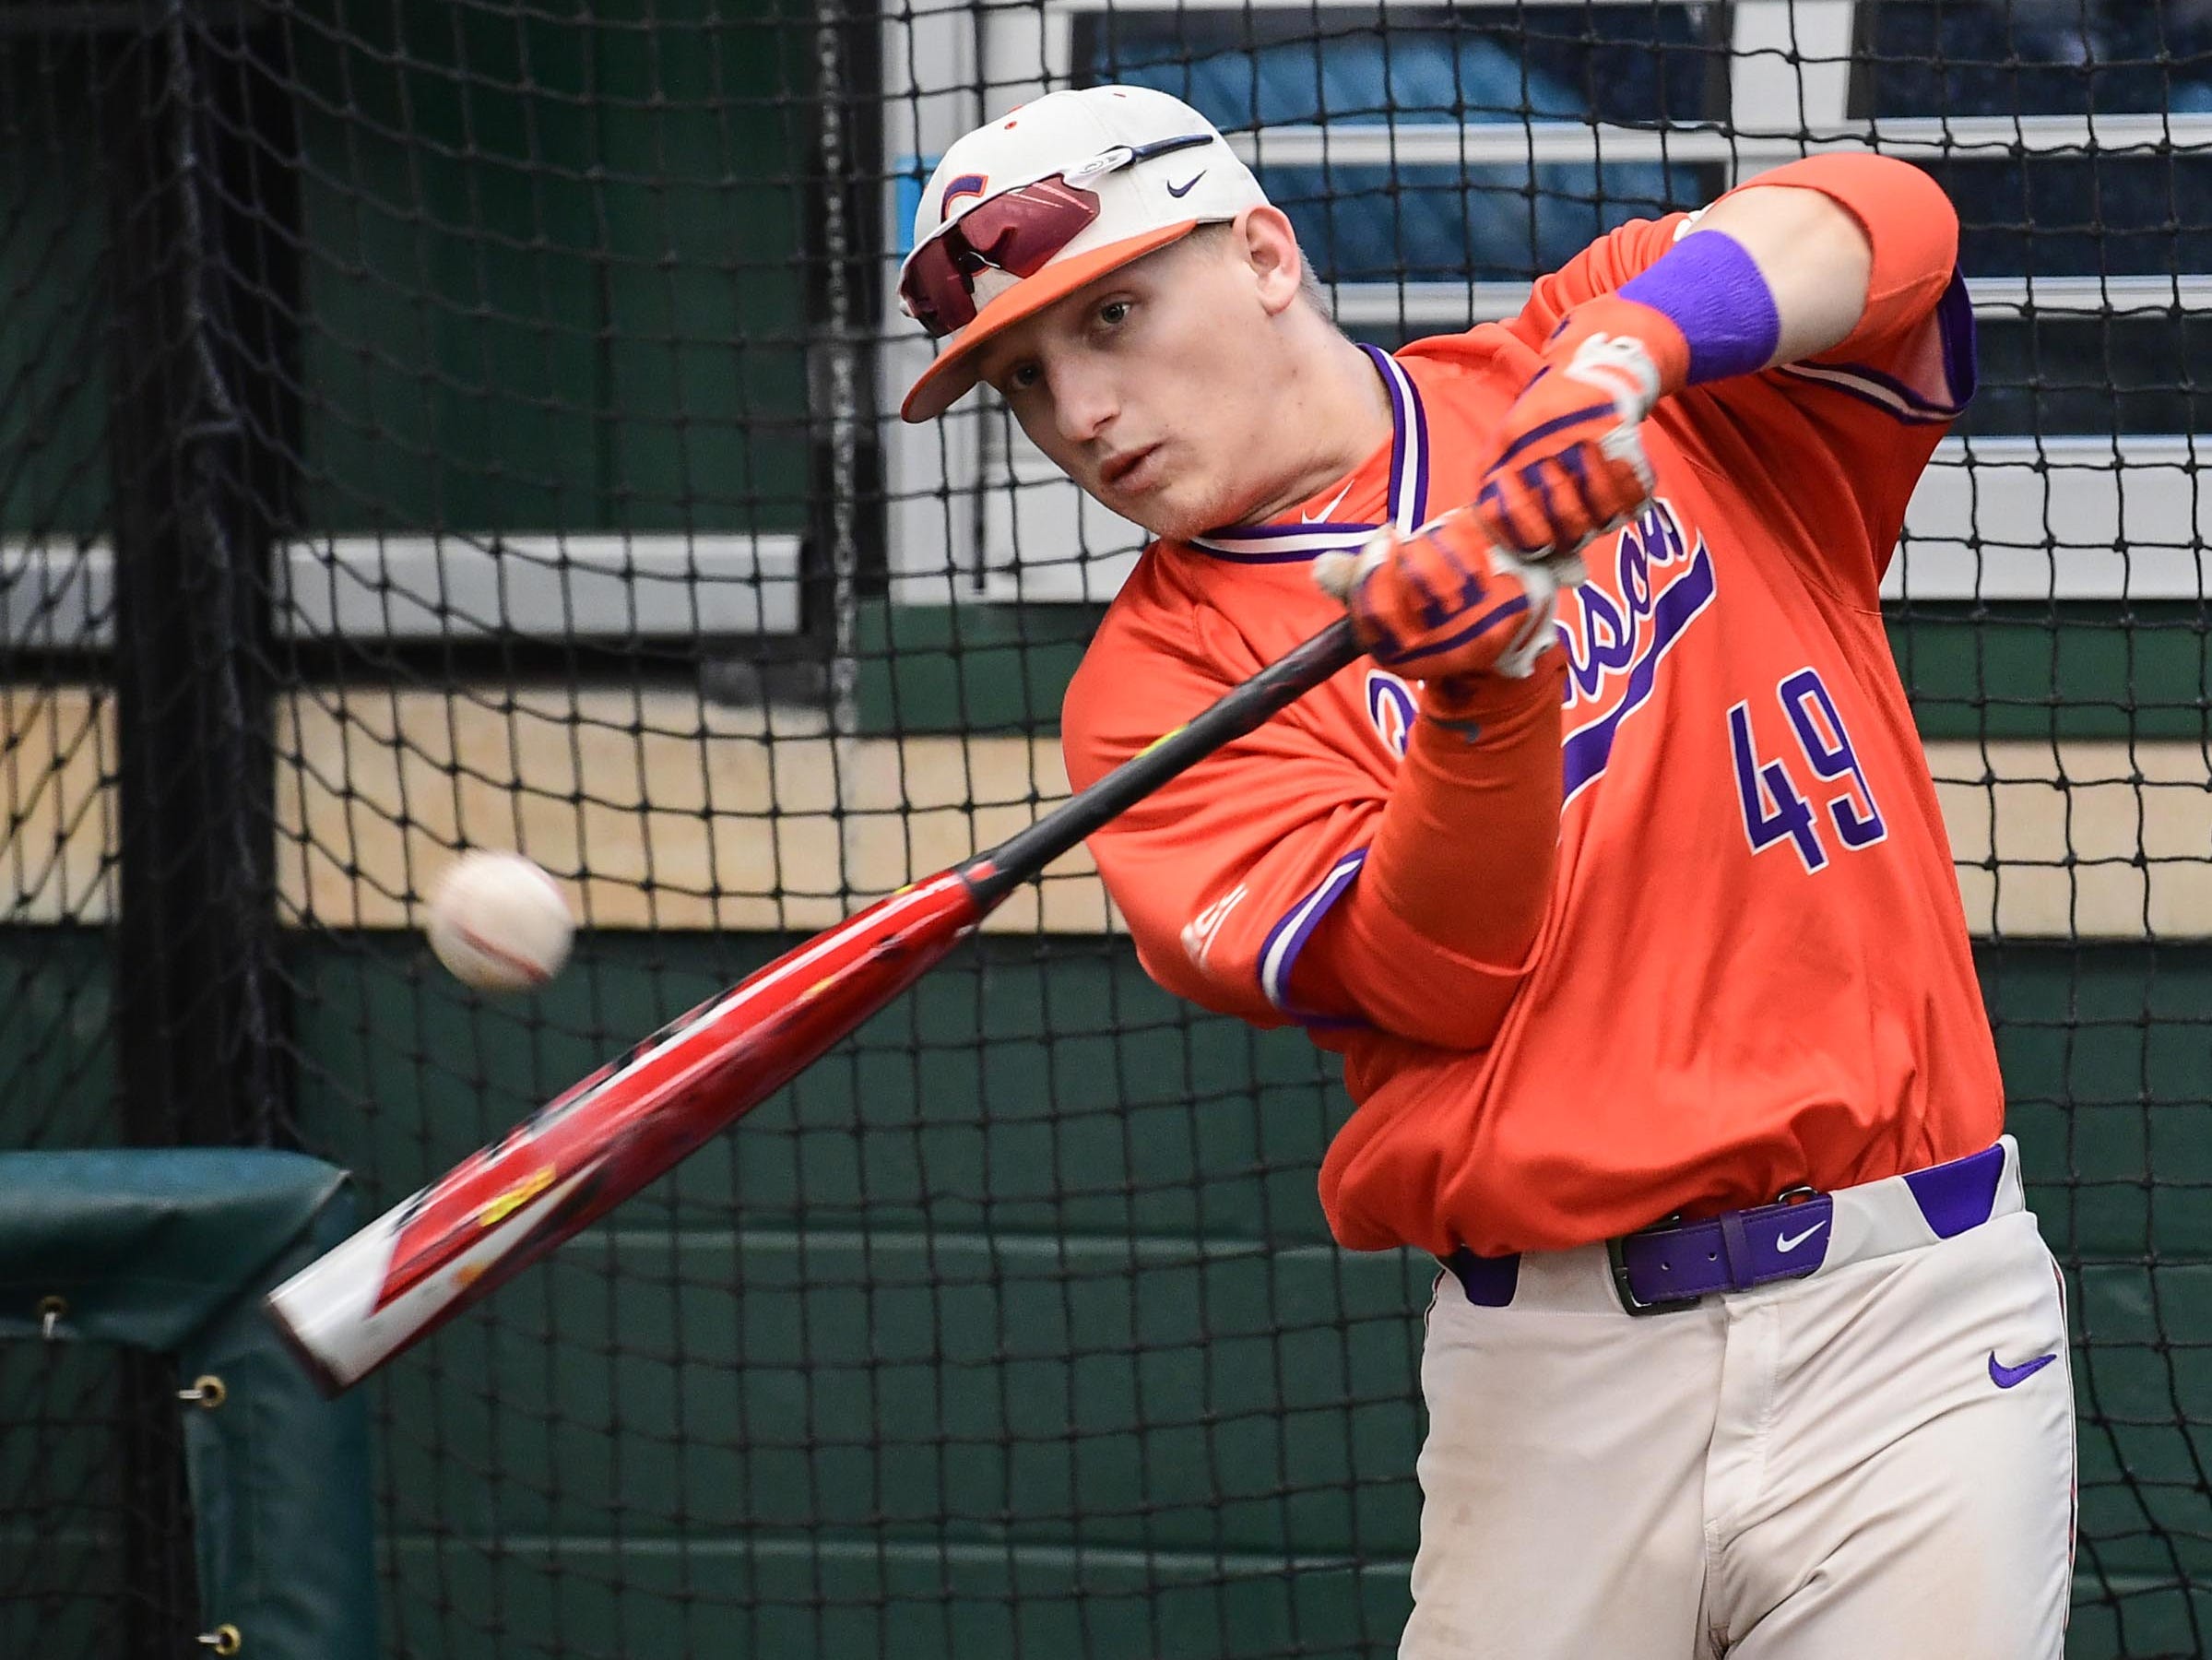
{"type": "Point", "coordinates": [1153, 387]}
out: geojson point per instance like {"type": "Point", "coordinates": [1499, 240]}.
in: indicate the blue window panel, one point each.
{"type": "Point", "coordinates": [1435, 224]}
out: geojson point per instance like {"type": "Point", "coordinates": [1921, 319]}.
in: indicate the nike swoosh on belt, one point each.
{"type": "Point", "coordinates": [1791, 1242]}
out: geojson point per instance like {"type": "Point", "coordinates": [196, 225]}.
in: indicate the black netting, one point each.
{"type": "Point", "coordinates": [434, 424]}
{"type": "Point", "coordinates": [95, 1533]}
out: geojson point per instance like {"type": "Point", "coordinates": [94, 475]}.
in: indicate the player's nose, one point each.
{"type": "Point", "coordinates": [1084, 404]}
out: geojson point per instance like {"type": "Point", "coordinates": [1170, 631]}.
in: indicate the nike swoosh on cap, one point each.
{"type": "Point", "coordinates": [2005, 1377]}
{"type": "Point", "coordinates": [1179, 191]}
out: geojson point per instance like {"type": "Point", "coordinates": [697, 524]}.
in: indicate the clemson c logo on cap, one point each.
{"type": "Point", "coordinates": [967, 185]}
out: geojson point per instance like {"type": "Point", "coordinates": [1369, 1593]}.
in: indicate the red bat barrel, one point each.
{"type": "Point", "coordinates": [576, 1158]}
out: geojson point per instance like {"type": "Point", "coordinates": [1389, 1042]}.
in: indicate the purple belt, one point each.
{"type": "Point", "coordinates": [1677, 1265]}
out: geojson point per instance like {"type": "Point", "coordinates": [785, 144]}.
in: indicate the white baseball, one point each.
{"type": "Point", "coordinates": [499, 923]}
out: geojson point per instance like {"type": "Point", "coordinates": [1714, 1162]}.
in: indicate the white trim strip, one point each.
{"type": "Point", "coordinates": [1462, 305]}
{"type": "Point", "coordinates": [1865, 385]}
{"type": "Point", "coordinates": [1515, 143]}
{"type": "Point", "coordinates": [57, 596]}
{"type": "Point", "coordinates": [2022, 518]}
{"type": "Point", "coordinates": [2057, 518]}
{"type": "Point", "coordinates": [1077, 8]}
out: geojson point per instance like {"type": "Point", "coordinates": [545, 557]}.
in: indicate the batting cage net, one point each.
{"type": "Point", "coordinates": [96, 1539]}
{"type": "Point", "coordinates": [447, 424]}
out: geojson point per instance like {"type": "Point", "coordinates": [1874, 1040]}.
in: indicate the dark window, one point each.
{"type": "Point", "coordinates": [2057, 374]}
{"type": "Point", "coordinates": [1410, 223]}
{"type": "Point", "coordinates": [2127, 209]}
{"type": "Point", "coordinates": [2082, 216]}
{"type": "Point", "coordinates": [2033, 57]}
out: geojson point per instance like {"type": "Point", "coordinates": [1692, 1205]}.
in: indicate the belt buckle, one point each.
{"type": "Point", "coordinates": [1622, 1290]}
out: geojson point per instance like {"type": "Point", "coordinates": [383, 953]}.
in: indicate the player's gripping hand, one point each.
{"type": "Point", "coordinates": [1443, 603]}
{"type": "Point", "coordinates": [1571, 462]}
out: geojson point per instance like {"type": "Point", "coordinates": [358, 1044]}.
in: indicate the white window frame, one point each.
{"type": "Point", "coordinates": [59, 594]}
{"type": "Point", "coordinates": [967, 491]}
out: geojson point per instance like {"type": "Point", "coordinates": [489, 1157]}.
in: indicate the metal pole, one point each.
{"type": "Point", "coordinates": [202, 210]}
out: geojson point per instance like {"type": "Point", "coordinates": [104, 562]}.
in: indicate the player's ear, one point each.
{"type": "Point", "coordinates": [1264, 237]}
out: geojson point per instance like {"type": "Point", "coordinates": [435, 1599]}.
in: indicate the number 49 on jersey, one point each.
{"type": "Point", "coordinates": [1775, 809]}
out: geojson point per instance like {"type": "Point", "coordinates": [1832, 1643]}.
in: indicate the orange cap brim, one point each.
{"type": "Point", "coordinates": [949, 379]}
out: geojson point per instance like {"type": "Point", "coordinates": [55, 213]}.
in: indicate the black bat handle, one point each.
{"type": "Point", "coordinates": [990, 874]}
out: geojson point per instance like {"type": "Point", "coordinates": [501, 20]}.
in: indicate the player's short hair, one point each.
{"type": "Point", "coordinates": [1310, 288]}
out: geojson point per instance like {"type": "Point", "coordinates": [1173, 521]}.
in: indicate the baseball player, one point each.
{"type": "Point", "coordinates": [1615, 873]}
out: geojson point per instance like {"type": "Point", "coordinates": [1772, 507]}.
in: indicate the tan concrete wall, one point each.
{"type": "Point", "coordinates": [690, 816]}
{"type": "Point", "coordinates": [2103, 840]}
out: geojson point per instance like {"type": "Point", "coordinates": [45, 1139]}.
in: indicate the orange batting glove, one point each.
{"type": "Point", "coordinates": [1570, 463]}
{"type": "Point", "coordinates": [1442, 602]}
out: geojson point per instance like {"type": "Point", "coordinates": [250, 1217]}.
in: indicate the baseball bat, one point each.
{"type": "Point", "coordinates": [579, 1156]}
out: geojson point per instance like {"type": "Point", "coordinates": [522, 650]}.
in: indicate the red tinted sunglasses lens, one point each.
{"type": "Point", "coordinates": [1021, 230]}
{"type": "Point", "coordinates": [1018, 233]}
{"type": "Point", "coordinates": [936, 294]}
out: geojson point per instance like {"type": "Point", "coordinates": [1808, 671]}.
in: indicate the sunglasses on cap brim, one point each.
{"type": "Point", "coordinates": [1020, 232]}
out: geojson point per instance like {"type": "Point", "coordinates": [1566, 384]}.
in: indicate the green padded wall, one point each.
{"type": "Point", "coordinates": [1034, 1289]}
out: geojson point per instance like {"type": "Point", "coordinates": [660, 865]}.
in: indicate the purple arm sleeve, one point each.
{"type": "Point", "coordinates": [1708, 287]}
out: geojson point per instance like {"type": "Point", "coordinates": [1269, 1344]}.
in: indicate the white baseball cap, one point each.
{"type": "Point", "coordinates": [1071, 186]}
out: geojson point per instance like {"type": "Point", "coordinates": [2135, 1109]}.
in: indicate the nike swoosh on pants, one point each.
{"type": "Point", "coordinates": [2005, 1377]}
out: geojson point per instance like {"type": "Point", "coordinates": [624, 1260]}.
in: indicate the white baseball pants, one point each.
{"type": "Point", "coordinates": [1867, 1465]}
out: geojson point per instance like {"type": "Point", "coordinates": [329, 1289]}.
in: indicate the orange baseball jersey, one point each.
{"type": "Point", "coordinates": [1753, 972]}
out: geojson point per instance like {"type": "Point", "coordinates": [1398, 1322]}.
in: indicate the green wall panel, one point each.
{"type": "Point", "coordinates": [58, 1410]}
{"type": "Point", "coordinates": [911, 1600]}
{"type": "Point", "coordinates": [968, 669]}
{"type": "Point", "coordinates": [53, 345]}
{"type": "Point", "coordinates": [57, 1065]}
{"type": "Point", "coordinates": [1023, 1389]}
{"type": "Point", "coordinates": [2070, 670]}
{"type": "Point", "coordinates": [1027, 1085]}
{"type": "Point", "coordinates": [550, 280]}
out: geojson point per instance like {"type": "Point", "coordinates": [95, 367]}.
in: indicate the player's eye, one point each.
{"type": "Point", "coordinates": [1020, 379]}
{"type": "Point", "coordinates": [1114, 313]}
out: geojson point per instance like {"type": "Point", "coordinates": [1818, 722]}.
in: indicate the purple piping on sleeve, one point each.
{"type": "Point", "coordinates": [1955, 320]}
{"type": "Point", "coordinates": [1955, 331]}
{"type": "Point", "coordinates": [1279, 952]}
{"type": "Point", "coordinates": [1872, 389]}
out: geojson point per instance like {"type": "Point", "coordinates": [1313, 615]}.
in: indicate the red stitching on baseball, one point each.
{"type": "Point", "coordinates": [536, 973]}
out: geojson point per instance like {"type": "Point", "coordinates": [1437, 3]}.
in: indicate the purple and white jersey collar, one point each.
{"type": "Point", "coordinates": [1284, 544]}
